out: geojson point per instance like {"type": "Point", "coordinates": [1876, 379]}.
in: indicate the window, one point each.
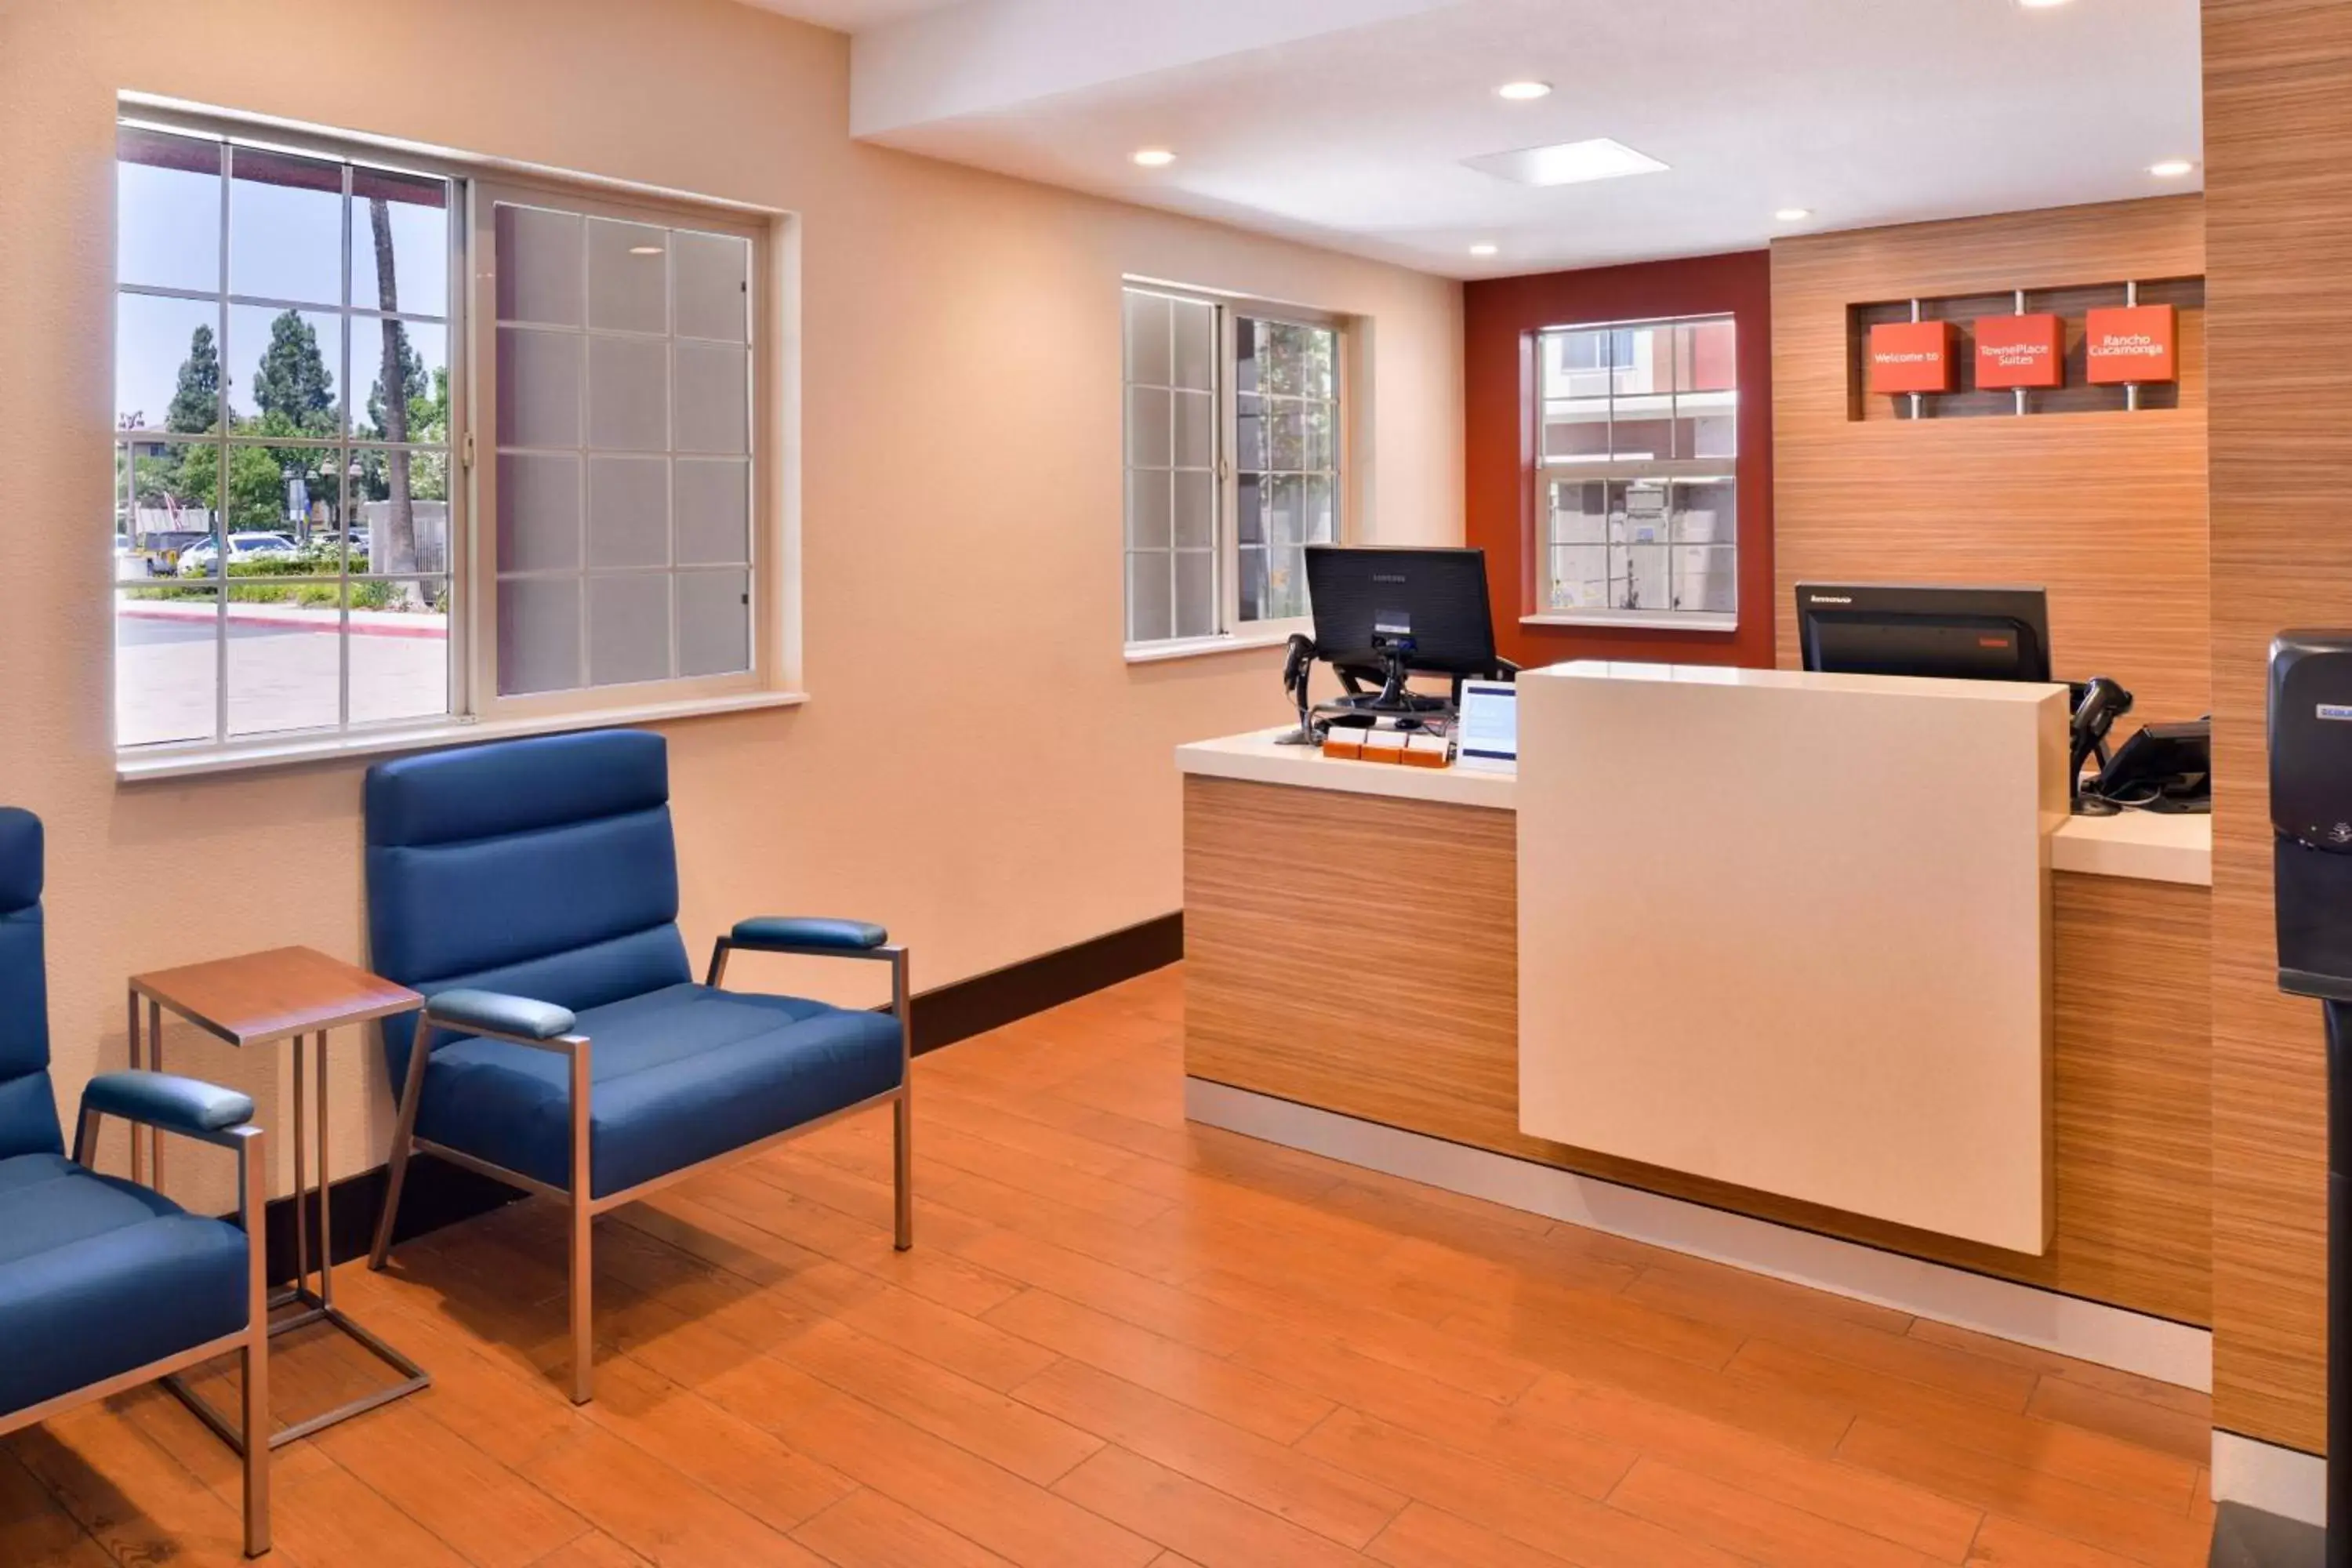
{"type": "Point", "coordinates": [622, 491]}
{"type": "Point", "coordinates": [283, 384]}
{"type": "Point", "coordinates": [1235, 464]}
{"type": "Point", "coordinates": [309, 549]}
{"type": "Point", "coordinates": [1636, 494]}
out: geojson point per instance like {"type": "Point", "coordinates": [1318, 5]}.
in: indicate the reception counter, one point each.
{"type": "Point", "coordinates": [1363, 939]}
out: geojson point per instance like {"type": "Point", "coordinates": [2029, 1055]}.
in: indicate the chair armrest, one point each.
{"type": "Point", "coordinates": [797, 933]}
{"type": "Point", "coordinates": [165, 1100]}
{"type": "Point", "coordinates": [495, 1012]}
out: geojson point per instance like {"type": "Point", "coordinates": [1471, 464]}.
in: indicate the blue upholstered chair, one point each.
{"type": "Point", "coordinates": [105, 1285]}
{"type": "Point", "coordinates": [530, 889]}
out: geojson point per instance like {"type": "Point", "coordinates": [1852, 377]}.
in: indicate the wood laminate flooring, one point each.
{"type": "Point", "coordinates": [1124, 1339]}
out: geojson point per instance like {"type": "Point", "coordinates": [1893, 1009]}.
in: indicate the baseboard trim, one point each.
{"type": "Point", "coordinates": [440, 1193]}
{"type": "Point", "coordinates": [962, 1008]}
{"type": "Point", "coordinates": [2087, 1331]}
{"type": "Point", "coordinates": [2270, 1479]}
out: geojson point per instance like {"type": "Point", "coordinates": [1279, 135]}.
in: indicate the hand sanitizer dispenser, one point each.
{"type": "Point", "coordinates": [2311, 821]}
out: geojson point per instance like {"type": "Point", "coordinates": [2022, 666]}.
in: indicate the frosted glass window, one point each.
{"type": "Point", "coordinates": [628, 629]}
{"type": "Point", "coordinates": [712, 504]}
{"type": "Point", "coordinates": [629, 511]}
{"type": "Point", "coordinates": [713, 273]}
{"type": "Point", "coordinates": [539, 388]}
{"type": "Point", "coordinates": [628, 394]}
{"type": "Point", "coordinates": [541, 265]}
{"type": "Point", "coordinates": [714, 399]}
{"type": "Point", "coordinates": [657, 323]}
{"type": "Point", "coordinates": [539, 511]}
{"type": "Point", "coordinates": [628, 277]}
{"type": "Point", "coordinates": [714, 622]}
{"type": "Point", "coordinates": [539, 634]}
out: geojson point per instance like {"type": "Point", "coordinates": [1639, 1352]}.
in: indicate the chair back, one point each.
{"type": "Point", "coordinates": [28, 1110]}
{"type": "Point", "coordinates": [544, 867]}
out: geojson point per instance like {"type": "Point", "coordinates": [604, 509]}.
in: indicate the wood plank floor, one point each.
{"type": "Point", "coordinates": [1122, 1340]}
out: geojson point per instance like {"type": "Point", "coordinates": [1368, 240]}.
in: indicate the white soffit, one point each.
{"type": "Point", "coordinates": [1349, 123]}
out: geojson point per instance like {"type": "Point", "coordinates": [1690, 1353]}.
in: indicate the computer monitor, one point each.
{"type": "Point", "coordinates": [1424, 606]}
{"type": "Point", "coordinates": [1965, 633]}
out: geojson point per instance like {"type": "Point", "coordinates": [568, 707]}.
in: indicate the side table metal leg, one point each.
{"type": "Point", "coordinates": [155, 1060]}
{"type": "Point", "coordinates": [137, 1060]}
{"type": "Point", "coordinates": [302, 1177]}
{"type": "Point", "coordinates": [325, 1185]}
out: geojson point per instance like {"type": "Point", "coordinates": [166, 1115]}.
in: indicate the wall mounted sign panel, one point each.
{"type": "Point", "coordinates": [2132, 344]}
{"type": "Point", "coordinates": [2021, 351]}
{"type": "Point", "coordinates": [1910, 356]}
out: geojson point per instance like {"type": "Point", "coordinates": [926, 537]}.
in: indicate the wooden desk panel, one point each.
{"type": "Point", "coordinates": [1360, 955]}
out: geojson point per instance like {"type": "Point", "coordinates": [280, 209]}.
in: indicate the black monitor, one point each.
{"type": "Point", "coordinates": [1964, 634]}
{"type": "Point", "coordinates": [1424, 607]}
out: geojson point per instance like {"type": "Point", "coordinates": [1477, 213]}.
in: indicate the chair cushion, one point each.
{"type": "Point", "coordinates": [680, 1074]}
{"type": "Point", "coordinates": [99, 1277]}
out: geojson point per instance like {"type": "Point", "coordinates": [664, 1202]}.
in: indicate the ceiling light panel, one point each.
{"type": "Point", "coordinates": [1566, 162]}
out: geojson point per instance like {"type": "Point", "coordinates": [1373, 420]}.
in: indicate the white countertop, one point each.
{"type": "Point", "coordinates": [2147, 845]}
{"type": "Point", "coordinates": [2136, 844]}
{"type": "Point", "coordinates": [1255, 758]}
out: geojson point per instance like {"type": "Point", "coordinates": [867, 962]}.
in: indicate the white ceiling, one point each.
{"type": "Point", "coordinates": [1345, 122]}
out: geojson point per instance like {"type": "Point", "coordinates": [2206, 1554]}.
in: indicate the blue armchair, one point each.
{"type": "Point", "coordinates": [105, 1285]}
{"type": "Point", "coordinates": [530, 889]}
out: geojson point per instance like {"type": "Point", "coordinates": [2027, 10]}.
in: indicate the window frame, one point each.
{"type": "Point", "coordinates": [475, 711]}
{"type": "Point", "coordinates": [1350, 486]}
{"type": "Point", "coordinates": [1546, 470]}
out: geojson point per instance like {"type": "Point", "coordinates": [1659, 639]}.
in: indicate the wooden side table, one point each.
{"type": "Point", "coordinates": [286, 993]}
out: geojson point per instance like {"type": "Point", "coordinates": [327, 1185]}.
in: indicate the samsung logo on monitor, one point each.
{"type": "Point", "coordinates": [2335, 710]}
{"type": "Point", "coordinates": [1388, 576]}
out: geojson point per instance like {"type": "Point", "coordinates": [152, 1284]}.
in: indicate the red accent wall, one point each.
{"type": "Point", "coordinates": [1498, 388]}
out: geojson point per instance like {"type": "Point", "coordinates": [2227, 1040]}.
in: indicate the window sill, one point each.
{"type": "Point", "coordinates": [195, 763]}
{"type": "Point", "coordinates": [1200, 648]}
{"type": "Point", "coordinates": [1696, 621]}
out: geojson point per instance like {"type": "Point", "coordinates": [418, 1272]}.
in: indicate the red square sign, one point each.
{"type": "Point", "coordinates": [1911, 356]}
{"type": "Point", "coordinates": [2021, 351]}
{"type": "Point", "coordinates": [2132, 342]}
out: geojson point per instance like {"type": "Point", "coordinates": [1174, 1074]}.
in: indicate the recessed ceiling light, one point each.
{"type": "Point", "coordinates": [1482, 250]}
{"type": "Point", "coordinates": [1793, 215]}
{"type": "Point", "coordinates": [1154, 157]}
{"type": "Point", "coordinates": [1524, 91]}
{"type": "Point", "coordinates": [2040, 4]}
{"type": "Point", "coordinates": [1568, 162]}
{"type": "Point", "coordinates": [645, 250]}
{"type": "Point", "coordinates": [2170, 168]}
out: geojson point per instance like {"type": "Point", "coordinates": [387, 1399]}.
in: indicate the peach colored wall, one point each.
{"type": "Point", "coordinates": [961, 494]}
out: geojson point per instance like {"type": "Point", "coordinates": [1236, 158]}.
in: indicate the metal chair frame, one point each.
{"type": "Point", "coordinates": [252, 1341]}
{"type": "Point", "coordinates": [579, 1196]}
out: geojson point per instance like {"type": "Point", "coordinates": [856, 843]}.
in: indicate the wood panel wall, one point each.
{"type": "Point", "coordinates": [2107, 510]}
{"type": "Point", "coordinates": [1378, 977]}
{"type": "Point", "coordinates": [2278, 148]}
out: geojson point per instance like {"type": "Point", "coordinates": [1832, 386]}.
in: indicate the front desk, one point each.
{"type": "Point", "coordinates": [1828, 954]}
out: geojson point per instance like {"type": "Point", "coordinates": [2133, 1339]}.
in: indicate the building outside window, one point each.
{"type": "Point", "coordinates": [1636, 492]}
{"type": "Point", "coordinates": [307, 548]}
{"type": "Point", "coordinates": [1235, 463]}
